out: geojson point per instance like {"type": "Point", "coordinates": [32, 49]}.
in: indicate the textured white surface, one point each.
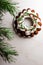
{"type": "Point", "coordinates": [30, 50]}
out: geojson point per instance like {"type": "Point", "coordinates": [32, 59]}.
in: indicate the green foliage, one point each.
{"type": "Point", "coordinates": [5, 5]}
{"type": "Point", "coordinates": [6, 32]}
{"type": "Point", "coordinates": [6, 51]}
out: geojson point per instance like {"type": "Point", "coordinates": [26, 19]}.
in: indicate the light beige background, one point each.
{"type": "Point", "coordinates": [30, 50]}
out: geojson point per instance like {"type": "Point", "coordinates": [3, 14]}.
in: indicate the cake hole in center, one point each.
{"type": "Point", "coordinates": [28, 22]}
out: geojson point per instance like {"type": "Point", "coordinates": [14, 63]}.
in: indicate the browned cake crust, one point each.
{"type": "Point", "coordinates": [31, 18]}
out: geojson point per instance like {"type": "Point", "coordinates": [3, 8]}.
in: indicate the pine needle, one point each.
{"type": "Point", "coordinates": [6, 51]}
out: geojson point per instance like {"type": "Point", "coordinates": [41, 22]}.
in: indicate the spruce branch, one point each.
{"type": "Point", "coordinates": [6, 51]}
{"type": "Point", "coordinates": [5, 5]}
{"type": "Point", "coordinates": [6, 32]}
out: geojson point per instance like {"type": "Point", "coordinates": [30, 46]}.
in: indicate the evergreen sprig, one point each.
{"type": "Point", "coordinates": [6, 51]}
{"type": "Point", "coordinates": [6, 32]}
{"type": "Point", "coordinates": [6, 5]}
